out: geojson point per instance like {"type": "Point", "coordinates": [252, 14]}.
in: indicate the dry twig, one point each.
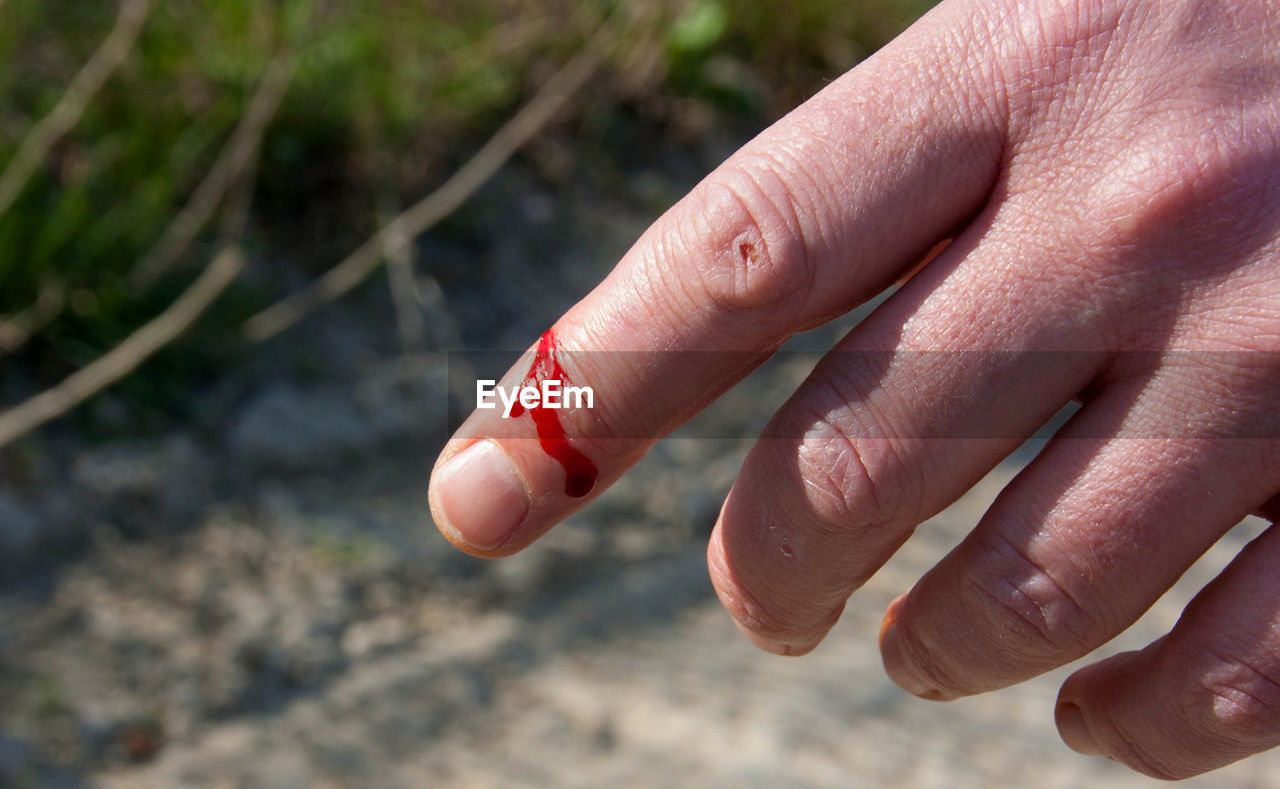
{"type": "Point", "coordinates": [366, 259]}
{"type": "Point", "coordinates": [236, 156]}
{"type": "Point", "coordinates": [235, 170]}
{"type": "Point", "coordinates": [108, 57]}
{"type": "Point", "coordinates": [128, 355]}
{"type": "Point", "coordinates": [509, 38]}
{"type": "Point", "coordinates": [16, 331]}
{"type": "Point", "coordinates": [403, 281]}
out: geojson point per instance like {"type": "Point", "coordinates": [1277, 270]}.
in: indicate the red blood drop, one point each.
{"type": "Point", "coordinates": [580, 472]}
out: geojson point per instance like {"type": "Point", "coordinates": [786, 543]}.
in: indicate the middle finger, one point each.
{"type": "Point", "coordinates": [911, 409]}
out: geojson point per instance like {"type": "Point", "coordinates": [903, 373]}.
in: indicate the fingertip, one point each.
{"type": "Point", "coordinates": [479, 499]}
{"type": "Point", "coordinates": [897, 661]}
{"type": "Point", "coordinates": [1108, 709]}
{"type": "Point", "coordinates": [1074, 730]}
{"type": "Point", "coordinates": [1082, 703]}
{"type": "Point", "coordinates": [772, 646]}
{"type": "Point", "coordinates": [747, 614]}
{"type": "Point", "coordinates": [731, 596]}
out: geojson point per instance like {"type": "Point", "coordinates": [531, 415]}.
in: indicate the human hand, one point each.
{"type": "Point", "coordinates": [1110, 173]}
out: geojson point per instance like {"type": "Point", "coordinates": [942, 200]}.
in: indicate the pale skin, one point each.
{"type": "Point", "coordinates": [1110, 172]}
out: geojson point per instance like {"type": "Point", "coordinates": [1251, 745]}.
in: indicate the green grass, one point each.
{"type": "Point", "coordinates": [50, 696]}
{"type": "Point", "coordinates": [388, 97]}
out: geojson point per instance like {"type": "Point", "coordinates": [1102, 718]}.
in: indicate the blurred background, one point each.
{"type": "Point", "coordinates": [237, 241]}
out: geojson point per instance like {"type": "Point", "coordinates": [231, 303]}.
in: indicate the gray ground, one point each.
{"type": "Point", "coordinates": [254, 652]}
{"type": "Point", "coordinates": [265, 603]}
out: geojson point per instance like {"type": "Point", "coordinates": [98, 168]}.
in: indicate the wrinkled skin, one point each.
{"type": "Point", "coordinates": [1110, 174]}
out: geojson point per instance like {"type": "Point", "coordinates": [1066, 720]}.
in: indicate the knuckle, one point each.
{"type": "Point", "coordinates": [747, 251]}
{"type": "Point", "coordinates": [1243, 701]}
{"type": "Point", "coordinates": [1178, 184]}
{"type": "Point", "coordinates": [1034, 614]}
{"type": "Point", "coordinates": [851, 479]}
{"type": "Point", "coordinates": [1233, 713]}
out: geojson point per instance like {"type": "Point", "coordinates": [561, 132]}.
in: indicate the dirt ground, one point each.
{"type": "Point", "coordinates": [248, 653]}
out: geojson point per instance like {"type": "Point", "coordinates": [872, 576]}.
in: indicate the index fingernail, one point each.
{"type": "Point", "coordinates": [481, 496]}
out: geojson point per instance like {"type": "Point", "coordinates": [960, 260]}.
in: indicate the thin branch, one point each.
{"type": "Point", "coordinates": [151, 337]}
{"type": "Point", "coordinates": [235, 217]}
{"type": "Point", "coordinates": [108, 57]}
{"type": "Point", "coordinates": [401, 278]}
{"type": "Point", "coordinates": [370, 255]}
{"type": "Point", "coordinates": [506, 40]}
{"type": "Point", "coordinates": [128, 355]}
{"type": "Point", "coordinates": [241, 149]}
{"type": "Point", "coordinates": [16, 331]}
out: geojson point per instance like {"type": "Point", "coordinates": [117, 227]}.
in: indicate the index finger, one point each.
{"type": "Point", "coordinates": [820, 212]}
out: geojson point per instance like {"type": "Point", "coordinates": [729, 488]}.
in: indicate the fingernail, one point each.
{"type": "Point", "coordinates": [896, 665]}
{"type": "Point", "coordinates": [890, 617]}
{"type": "Point", "coordinates": [481, 496]}
{"type": "Point", "coordinates": [1074, 731]}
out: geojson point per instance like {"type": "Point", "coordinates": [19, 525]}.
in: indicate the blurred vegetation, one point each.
{"type": "Point", "coordinates": [388, 97]}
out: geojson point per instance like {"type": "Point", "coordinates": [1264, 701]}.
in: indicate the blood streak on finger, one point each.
{"type": "Point", "coordinates": [580, 472]}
